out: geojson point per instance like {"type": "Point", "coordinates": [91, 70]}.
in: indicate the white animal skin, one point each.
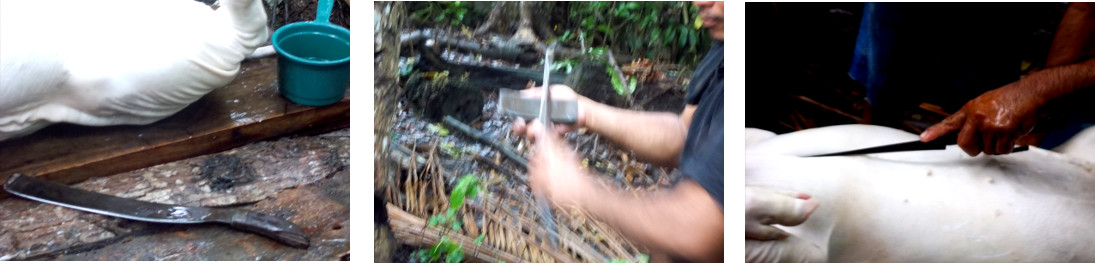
{"type": "Point", "coordinates": [110, 62]}
{"type": "Point", "coordinates": [1081, 145]}
{"type": "Point", "coordinates": [924, 206]}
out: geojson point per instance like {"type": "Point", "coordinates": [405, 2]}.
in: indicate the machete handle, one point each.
{"type": "Point", "coordinates": [269, 226]}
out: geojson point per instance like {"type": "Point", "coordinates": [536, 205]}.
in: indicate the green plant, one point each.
{"type": "Point", "coordinates": [642, 258]}
{"type": "Point", "coordinates": [438, 129]}
{"type": "Point", "coordinates": [451, 149]}
{"type": "Point", "coordinates": [446, 12]}
{"type": "Point", "coordinates": [468, 187]}
{"type": "Point", "coordinates": [658, 30]}
{"type": "Point", "coordinates": [566, 64]}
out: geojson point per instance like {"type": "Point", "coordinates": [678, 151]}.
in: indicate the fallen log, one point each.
{"type": "Point", "coordinates": [495, 48]}
{"type": "Point", "coordinates": [412, 230]}
{"type": "Point", "coordinates": [478, 136]}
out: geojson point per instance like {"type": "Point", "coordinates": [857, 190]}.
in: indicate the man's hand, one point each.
{"type": "Point", "coordinates": [554, 170]}
{"type": "Point", "coordinates": [558, 92]}
{"type": "Point", "coordinates": [765, 207]}
{"type": "Point", "coordinates": [994, 121]}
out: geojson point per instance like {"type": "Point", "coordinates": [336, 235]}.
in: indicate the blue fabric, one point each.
{"type": "Point", "coordinates": [946, 54]}
{"type": "Point", "coordinates": [702, 157]}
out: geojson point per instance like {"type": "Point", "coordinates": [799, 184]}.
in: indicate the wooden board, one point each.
{"type": "Point", "coordinates": [247, 110]}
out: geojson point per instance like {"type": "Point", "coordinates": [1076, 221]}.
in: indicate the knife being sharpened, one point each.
{"type": "Point", "coordinates": [545, 119]}
{"type": "Point", "coordinates": [52, 193]}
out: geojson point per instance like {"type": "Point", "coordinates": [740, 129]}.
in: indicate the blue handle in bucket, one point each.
{"type": "Point", "coordinates": [323, 11]}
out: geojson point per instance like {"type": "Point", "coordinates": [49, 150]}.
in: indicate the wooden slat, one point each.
{"type": "Point", "coordinates": [249, 109]}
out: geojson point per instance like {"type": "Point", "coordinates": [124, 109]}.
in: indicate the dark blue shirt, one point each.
{"type": "Point", "coordinates": [702, 158]}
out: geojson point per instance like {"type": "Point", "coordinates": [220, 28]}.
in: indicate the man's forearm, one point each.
{"type": "Point", "coordinates": [1059, 81]}
{"type": "Point", "coordinates": [683, 221]}
{"type": "Point", "coordinates": [656, 137]}
{"type": "Point", "coordinates": [1075, 37]}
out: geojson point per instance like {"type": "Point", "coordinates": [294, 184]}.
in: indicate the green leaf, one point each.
{"type": "Point", "coordinates": [597, 52]}
{"type": "Point", "coordinates": [698, 23]}
{"type": "Point", "coordinates": [623, 13]}
{"type": "Point", "coordinates": [631, 84]}
{"type": "Point", "coordinates": [682, 36]}
{"type": "Point", "coordinates": [451, 149]}
{"type": "Point", "coordinates": [693, 39]}
{"type": "Point", "coordinates": [654, 35]}
{"type": "Point", "coordinates": [434, 220]}
{"type": "Point", "coordinates": [643, 258]}
{"type": "Point", "coordinates": [468, 184]}
{"type": "Point", "coordinates": [450, 214]}
{"type": "Point", "coordinates": [605, 29]}
{"type": "Point", "coordinates": [632, 5]}
{"type": "Point", "coordinates": [420, 255]}
{"type": "Point", "coordinates": [455, 256]}
{"type": "Point", "coordinates": [479, 240]}
{"type": "Point", "coordinates": [435, 251]}
{"type": "Point", "coordinates": [587, 23]}
{"type": "Point", "coordinates": [420, 13]}
{"type": "Point", "coordinates": [456, 225]}
{"type": "Point", "coordinates": [670, 35]}
{"type": "Point", "coordinates": [438, 129]}
{"type": "Point", "coordinates": [617, 84]}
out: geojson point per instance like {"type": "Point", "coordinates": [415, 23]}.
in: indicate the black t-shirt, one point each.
{"type": "Point", "coordinates": [702, 158]}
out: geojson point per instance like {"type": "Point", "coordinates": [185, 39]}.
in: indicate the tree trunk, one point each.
{"type": "Point", "coordinates": [527, 23]}
{"type": "Point", "coordinates": [385, 101]}
{"type": "Point", "coordinates": [386, 85]}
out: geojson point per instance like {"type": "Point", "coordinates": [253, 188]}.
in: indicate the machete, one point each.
{"type": "Point", "coordinates": [545, 119]}
{"type": "Point", "coordinates": [52, 193]}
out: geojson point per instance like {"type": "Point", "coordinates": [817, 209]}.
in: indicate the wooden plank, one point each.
{"type": "Point", "coordinates": [247, 110]}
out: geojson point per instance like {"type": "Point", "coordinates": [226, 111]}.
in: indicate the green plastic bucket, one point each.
{"type": "Point", "coordinates": [313, 59]}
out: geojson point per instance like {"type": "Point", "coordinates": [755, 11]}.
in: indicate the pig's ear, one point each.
{"type": "Point", "coordinates": [754, 135]}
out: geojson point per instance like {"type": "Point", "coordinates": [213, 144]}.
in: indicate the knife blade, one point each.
{"type": "Point", "coordinates": [56, 194]}
{"type": "Point", "coordinates": [545, 118]}
{"type": "Point", "coordinates": [916, 145]}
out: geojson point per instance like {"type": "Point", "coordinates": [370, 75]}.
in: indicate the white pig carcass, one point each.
{"type": "Point", "coordinates": [110, 62]}
{"type": "Point", "coordinates": [923, 206]}
{"type": "Point", "coordinates": [1082, 145]}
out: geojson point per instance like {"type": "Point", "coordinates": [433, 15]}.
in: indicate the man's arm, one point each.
{"type": "Point", "coordinates": [683, 221]}
{"type": "Point", "coordinates": [1075, 37]}
{"type": "Point", "coordinates": [994, 121]}
{"type": "Point", "coordinates": [655, 137]}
